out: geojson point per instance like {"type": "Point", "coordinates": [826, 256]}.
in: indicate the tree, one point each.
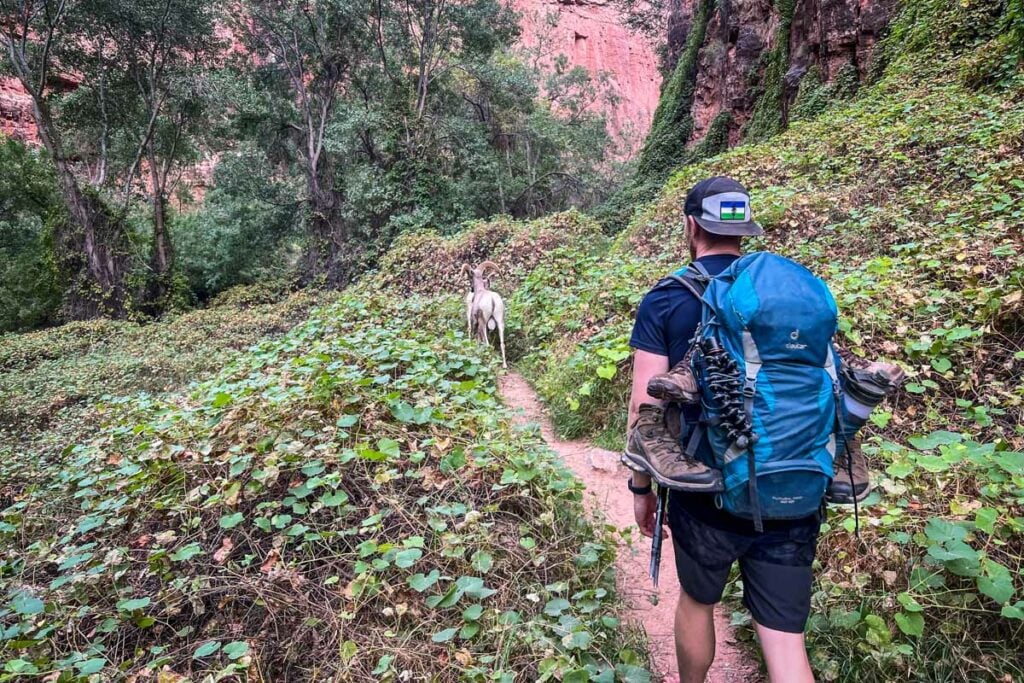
{"type": "Point", "coordinates": [91, 246]}
{"type": "Point", "coordinates": [162, 50]}
{"type": "Point", "coordinates": [122, 130]}
{"type": "Point", "coordinates": [402, 114]}
{"type": "Point", "coordinates": [304, 56]}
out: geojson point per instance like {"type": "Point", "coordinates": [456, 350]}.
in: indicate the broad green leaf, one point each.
{"type": "Point", "coordinates": [445, 635]}
{"type": "Point", "coordinates": [606, 371]}
{"type": "Point", "coordinates": [236, 649]}
{"type": "Point", "coordinates": [206, 649]}
{"type": "Point", "coordinates": [941, 531]}
{"type": "Point", "coordinates": [407, 558]}
{"type": "Point", "coordinates": [997, 582]}
{"type": "Point", "coordinates": [388, 447]}
{"type": "Point", "coordinates": [90, 666]}
{"type": "Point", "coordinates": [421, 582]}
{"type": "Point", "coordinates": [576, 676]}
{"type": "Point", "coordinates": [333, 500]}
{"type": "Point", "coordinates": [221, 399]}
{"type": "Point", "coordinates": [909, 603]}
{"type": "Point", "coordinates": [1013, 611]}
{"type": "Point", "coordinates": [20, 666]}
{"type": "Point", "coordinates": [911, 623]}
{"type": "Point", "coordinates": [187, 552]}
{"type": "Point", "coordinates": [899, 469]}
{"type": "Point", "coordinates": [633, 673]}
{"type": "Point", "coordinates": [473, 586]}
{"type": "Point", "coordinates": [231, 521]}
{"type": "Point", "coordinates": [482, 561]}
{"type": "Point", "coordinates": [346, 421]}
{"type": "Point", "coordinates": [27, 604]}
{"type": "Point", "coordinates": [473, 612]}
{"type": "Point", "coordinates": [932, 463]}
{"type": "Point", "coordinates": [383, 664]}
{"type": "Point", "coordinates": [403, 412]}
{"type": "Point", "coordinates": [556, 606]}
{"type": "Point", "coordinates": [134, 604]}
{"type": "Point", "coordinates": [934, 440]}
{"type": "Point", "coordinates": [985, 519]}
{"type": "Point", "coordinates": [578, 640]}
{"type": "Point", "coordinates": [348, 651]}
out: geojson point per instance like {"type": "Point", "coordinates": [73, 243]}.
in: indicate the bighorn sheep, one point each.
{"type": "Point", "coordinates": [485, 310]}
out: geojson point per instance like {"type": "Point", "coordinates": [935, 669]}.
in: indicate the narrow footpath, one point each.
{"type": "Point", "coordinates": [604, 478]}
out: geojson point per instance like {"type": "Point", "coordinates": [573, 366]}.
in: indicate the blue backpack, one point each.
{"type": "Point", "coordinates": [770, 392]}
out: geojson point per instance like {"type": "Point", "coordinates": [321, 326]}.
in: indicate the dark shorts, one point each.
{"type": "Point", "coordinates": [775, 566]}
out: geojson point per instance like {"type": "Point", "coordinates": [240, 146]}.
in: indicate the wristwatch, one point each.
{"type": "Point", "coordinates": [637, 490]}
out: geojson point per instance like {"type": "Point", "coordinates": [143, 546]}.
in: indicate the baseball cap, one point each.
{"type": "Point", "coordinates": [721, 206]}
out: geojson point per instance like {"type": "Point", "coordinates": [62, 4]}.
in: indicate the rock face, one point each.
{"type": "Point", "coordinates": [592, 34]}
{"type": "Point", "coordinates": [744, 36]}
{"type": "Point", "coordinates": [16, 112]}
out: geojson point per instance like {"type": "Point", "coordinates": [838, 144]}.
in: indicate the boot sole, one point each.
{"type": "Point", "coordinates": [640, 464]}
{"type": "Point", "coordinates": [844, 499]}
{"type": "Point", "coordinates": [666, 391]}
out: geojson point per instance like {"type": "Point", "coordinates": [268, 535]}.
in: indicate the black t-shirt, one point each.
{"type": "Point", "coordinates": [665, 323]}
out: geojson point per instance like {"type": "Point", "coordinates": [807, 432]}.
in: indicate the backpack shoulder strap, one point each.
{"type": "Point", "coordinates": [695, 278]}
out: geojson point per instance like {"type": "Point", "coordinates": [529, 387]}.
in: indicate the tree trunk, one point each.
{"type": "Point", "coordinates": [161, 258]}
{"type": "Point", "coordinates": [91, 250]}
{"type": "Point", "coordinates": [326, 252]}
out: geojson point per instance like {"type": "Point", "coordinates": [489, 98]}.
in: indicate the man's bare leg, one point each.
{"type": "Point", "coordinates": [695, 638]}
{"type": "Point", "coordinates": [785, 655]}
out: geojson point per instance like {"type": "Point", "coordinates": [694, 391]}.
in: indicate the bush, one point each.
{"type": "Point", "coordinates": [29, 290]}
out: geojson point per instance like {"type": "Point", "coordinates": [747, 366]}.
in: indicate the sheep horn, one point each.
{"type": "Point", "coordinates": [489, 265]}
{"type": "Point", "coordinates": [465, 267]}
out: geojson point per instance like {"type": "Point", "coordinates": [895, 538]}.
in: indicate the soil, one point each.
{"type": "Point", "coordinates": [652, 608]}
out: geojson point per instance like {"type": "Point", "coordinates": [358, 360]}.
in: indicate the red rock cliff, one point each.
{"type": "Point", "coordinates": [742, 36]}
{"type": "Point", "coordinates": [592, 34]}
{"type": "Point", "coordinates": [16, 112]}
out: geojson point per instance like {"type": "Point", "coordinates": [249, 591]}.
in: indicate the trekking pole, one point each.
{"type": "Point", "coordinates": [659, 518]}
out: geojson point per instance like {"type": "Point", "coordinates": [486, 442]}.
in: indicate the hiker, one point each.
{"type": "Point", "coordinates": [717, 512]}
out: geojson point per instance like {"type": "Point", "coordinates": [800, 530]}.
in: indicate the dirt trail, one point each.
{"type": "Point", "coordinates": [605, 480]}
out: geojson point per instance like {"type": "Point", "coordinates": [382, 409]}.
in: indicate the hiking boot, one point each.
{"type": "Point", "coordinates": [870, 385]}
{"type": "Point", "coordinates": [652, 449]}
{"type": "Point", "coordinates": [845, 490]}
{"type": "Point", "coordinates": [677, 385]}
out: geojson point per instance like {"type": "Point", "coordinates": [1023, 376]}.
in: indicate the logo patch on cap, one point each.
{"type": "Point", "coordinates": [732, 211]}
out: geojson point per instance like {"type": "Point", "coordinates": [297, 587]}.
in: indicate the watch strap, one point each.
{"type": "Point", "coordinates": [638, 490]}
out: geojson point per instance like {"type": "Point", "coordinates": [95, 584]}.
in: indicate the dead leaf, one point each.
{"type": "Point", "coordinates": [225, 549]}
{"type": "Point", "coordinates": [168, 676]}
{"type": "Point", "coordinates": [166, 537]}
{"type": "Point", "coordinates": [142, 541]}
{"type": "Point", "coordinates": [273, 557]}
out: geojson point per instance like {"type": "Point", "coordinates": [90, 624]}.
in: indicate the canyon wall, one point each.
{"type": "Point", "coordinates": [757, 47]}
{"type": "Point", "coordinates": [592, 34]}
{"type": "Point", "coordinates": [16, 112]}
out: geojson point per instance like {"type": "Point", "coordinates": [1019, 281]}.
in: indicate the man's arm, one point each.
{"type": "Point", "coordinates": [645, 366]}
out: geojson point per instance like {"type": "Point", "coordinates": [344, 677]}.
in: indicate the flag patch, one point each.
{"type": "Point", "coordinates": [732, 211]}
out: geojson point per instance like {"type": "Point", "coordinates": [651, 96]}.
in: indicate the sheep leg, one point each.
{"type": "Point", "coordinates": [501, 339]}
